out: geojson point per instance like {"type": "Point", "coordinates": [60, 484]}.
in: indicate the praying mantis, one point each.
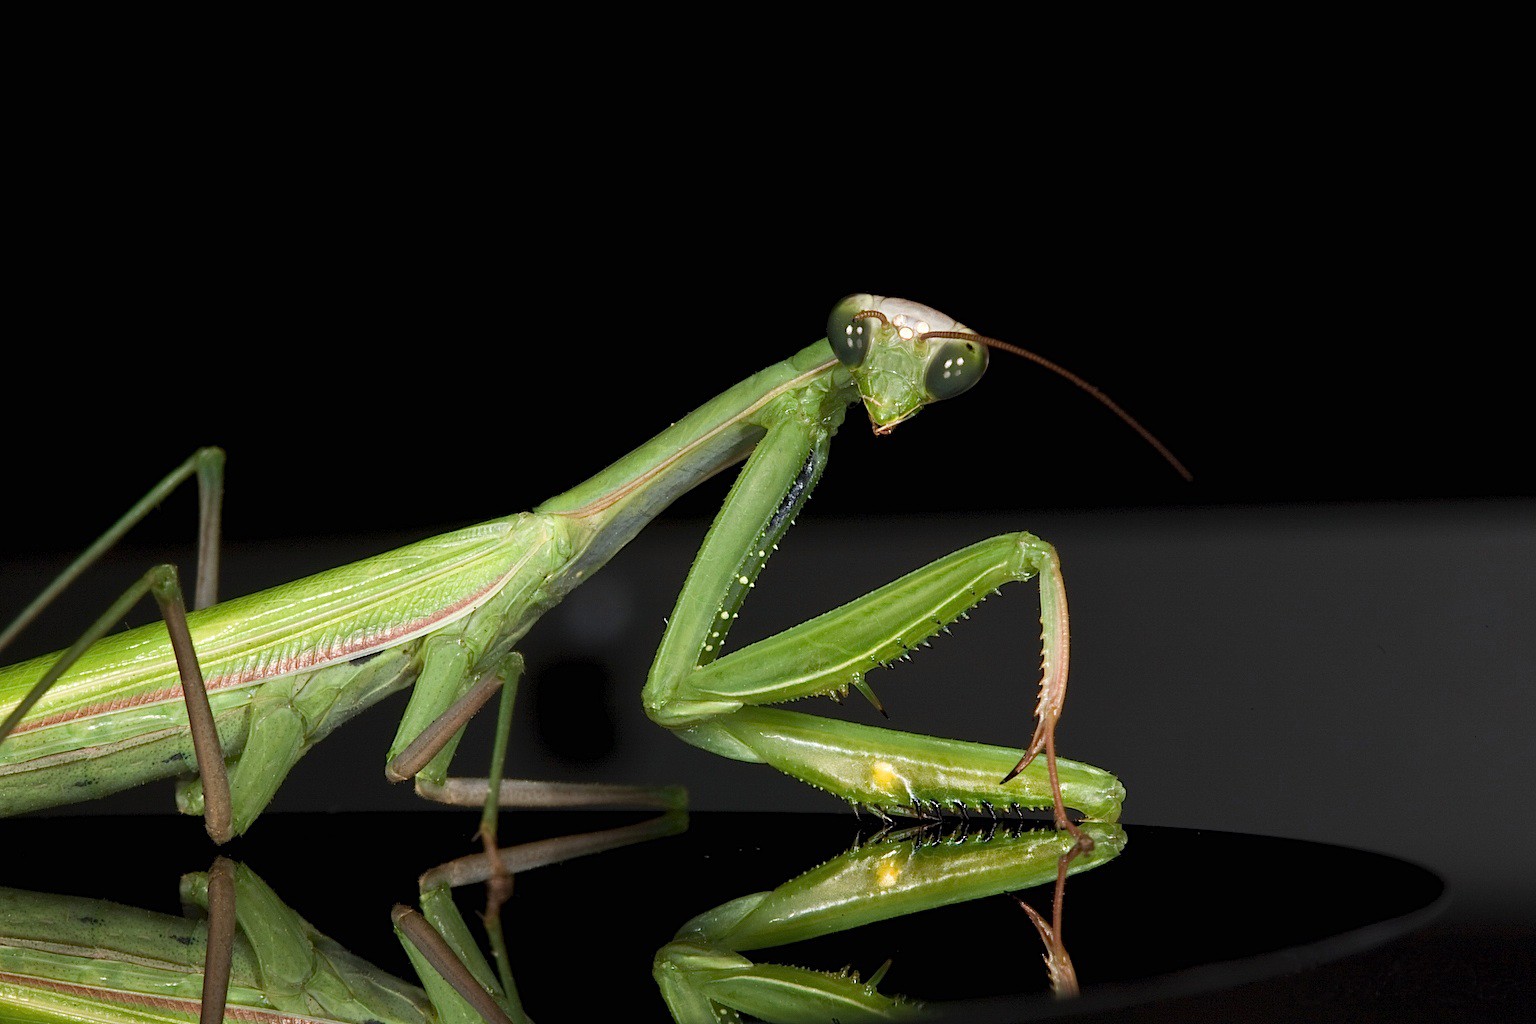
{"type": "Point", "coordinates": [240, 690]}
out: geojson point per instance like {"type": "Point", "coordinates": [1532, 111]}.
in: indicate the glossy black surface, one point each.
{"type": "Point", "coordinates": [1179, 912]}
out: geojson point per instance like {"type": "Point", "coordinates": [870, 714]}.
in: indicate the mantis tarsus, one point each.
{"type": "Point", "coordinates": [284, 667]}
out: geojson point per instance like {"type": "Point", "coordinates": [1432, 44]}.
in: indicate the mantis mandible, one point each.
{"type": "Point", "coordinates": [241, 689]}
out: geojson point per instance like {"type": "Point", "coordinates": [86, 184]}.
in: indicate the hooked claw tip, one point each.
{"type": "Point", "coordinates": [1023, 763]}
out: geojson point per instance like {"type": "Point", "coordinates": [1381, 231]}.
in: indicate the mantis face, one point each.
{"type": "Point", "coordinates": [885, 343]}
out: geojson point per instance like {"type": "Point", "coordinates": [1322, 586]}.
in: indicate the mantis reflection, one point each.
{"type": "Point", "coordinates": [66, 958]}
{"type": "Point", "coordinates": [703, 975]}
{"type": "Point", "coordinates": [242, 954]}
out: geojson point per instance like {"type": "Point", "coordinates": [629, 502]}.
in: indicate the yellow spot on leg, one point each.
{"type": "Point", "coordinates": [884, 776]}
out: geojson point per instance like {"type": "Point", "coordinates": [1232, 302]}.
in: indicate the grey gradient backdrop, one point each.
{"type": "Point", "coordinates": [1355, 674]}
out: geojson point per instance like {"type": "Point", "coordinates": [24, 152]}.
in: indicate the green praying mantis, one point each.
{"type": "Point", "coordinates": [228, 697]}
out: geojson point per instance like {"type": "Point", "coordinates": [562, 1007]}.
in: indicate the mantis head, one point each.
{"type": "Point", "coordinates": [902, 355]}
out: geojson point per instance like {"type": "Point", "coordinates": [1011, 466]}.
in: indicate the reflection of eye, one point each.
{"type": "Point", "coordinates": [954, 367]}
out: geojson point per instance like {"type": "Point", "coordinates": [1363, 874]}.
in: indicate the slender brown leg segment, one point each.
{"type": "Point", "coordinates": [426, 941]}
{"type": "Point", "coordinates": [473, 868]}
{"type": "Point", "coordinates": [164, 585]}
{"type": "Point", "coordinates": [511, 673]}
{"type": "Point", "coordinates": [208, 464]}
{"type": "Point", "coordinates": [437, 883]}
{"type": "Point", "coordinates": [1055, 645]}
{"type": "Point", "coordinates": [162, 582]}
{"type": "Point", "coordinates": [498, 887]}
{"type": "Point", "coordinates": [218, 813]}
{"type": "Point", "coordinates": [1057, 961]}
{"type": "Point", "coordinates": [495, 791]}
{"type": "Point", "coordinates": [532, 793]}
{"type": "Point", "coordinates": [210, 515]}
{"type": "Point", "coordinates": [221, 941]}
{"type": "Point", "coordinates": [446, 667]}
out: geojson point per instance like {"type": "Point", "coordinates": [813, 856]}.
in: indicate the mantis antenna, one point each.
{"type": "Point", "coordinates": [1127, 418]}
{"type": "Point", "coordinates": [1061, 371]}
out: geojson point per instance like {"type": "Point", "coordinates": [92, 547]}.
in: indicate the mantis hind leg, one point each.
{"type": "Point", "coordinates": [164, 584]}
{"type": "Point", "coordinates": [208, 465]}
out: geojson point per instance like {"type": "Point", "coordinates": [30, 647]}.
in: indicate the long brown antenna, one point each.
{"type": "Point", "coordinates": [1130, 421]}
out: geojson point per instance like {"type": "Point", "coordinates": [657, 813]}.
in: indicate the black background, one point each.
{"type": "Point", "coordinates": [401, 305]}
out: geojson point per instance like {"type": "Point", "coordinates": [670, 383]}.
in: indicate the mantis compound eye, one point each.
{"type": "Point", "coordinates": [954, 367]}
{"type": "Point", "coordinates": [850, 337]}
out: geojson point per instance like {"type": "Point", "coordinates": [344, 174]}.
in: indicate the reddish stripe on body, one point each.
{"type": "Point", "coordinates": [317, 658]}
{"type": "Point", "coordinates": [191, 1007]}
{"type": "Point", "coordinates": [625, 489]}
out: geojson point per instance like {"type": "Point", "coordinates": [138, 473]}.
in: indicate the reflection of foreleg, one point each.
{"type": "Point", "coordinates": [703, 968]}
{"type": "Point", "coordinates": [1057, 962]}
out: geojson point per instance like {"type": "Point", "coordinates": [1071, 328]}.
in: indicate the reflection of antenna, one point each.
{"type": "Point", "coordinates": [1146, 435]}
